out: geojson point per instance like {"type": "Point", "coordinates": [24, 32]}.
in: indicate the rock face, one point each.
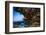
{"type": "Point", "coordinates": [32, 17]}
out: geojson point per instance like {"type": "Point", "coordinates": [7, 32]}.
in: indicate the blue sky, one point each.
{"type": "Point", "coordinates": [17, 16]}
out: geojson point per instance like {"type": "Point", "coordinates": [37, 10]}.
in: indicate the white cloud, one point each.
{"type": "Point", "coordinates": [18, 17]}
